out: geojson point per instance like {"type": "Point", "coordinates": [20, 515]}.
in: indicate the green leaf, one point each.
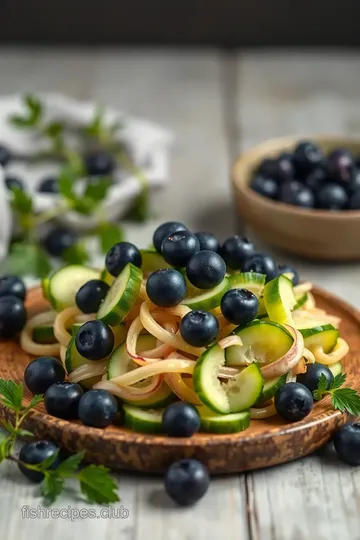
{"type": "Point", "coordinates": [71, 464]}
{"type": "Point", "coordinates": [338, 381]}
{"type": "Point", "coordinates": [346, 399]}
{"type": "Point", "coordinates": [5, 446]}
{"type": "Point", "coordinates": [27, 259]}
{"type": "Point", "coordinates": [21, 121]}
{"type": "Point", "coordinates": [140, 209]}
{"type": "Point", "coordinates": [109, 234]}
{"type": "Point", "coordinates": [12, 392]}
{"type": "Point", "coordinates": [51, 486]}
{"type": "Point", "coordinates": [95, 127]}
{"type": "Point", "coordinates": [50, 460]}
{"type": "Point", "coordinates": [34, 107]}
{"type": "Point", "coordinates": [97, 188]}
{"type": "Point", "coordinates": [21, 202]}
{"type": "Point", "coordinates": [97, 485]}
{"type": "Point", "coordinates": [36, 399]}
{"type": "Point", "coordinates": [24, 433]}
{"type": "Point", "coordinates": [66, 182]}
{"type": "Point", "coordinates": [19, 432]}
{"type": "Point", "coordinates": [76, 254]}
{"type": "Point", "coordinates": [54, 130]}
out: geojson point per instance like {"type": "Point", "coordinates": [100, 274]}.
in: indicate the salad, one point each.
{"type": "Point", "coordinates": [186, 335]}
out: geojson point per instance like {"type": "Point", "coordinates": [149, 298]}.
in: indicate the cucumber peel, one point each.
{"type": "Point", "coordinates": [280, 300]}
{"type": "Point", "coordinates": [209, 299]}
{"type": "Point", "coordinates": [65, 283]}
{"type": "Point", "coordinates": [325, 336]}
{"type": "Point", "coordinates": [223, 423]}
{"type": "Point", "coordinates": [44, 334]}
{"type": "Point", "coordinates": [144, 421]}
{"type": "Point", "coordinates": [251, 281]}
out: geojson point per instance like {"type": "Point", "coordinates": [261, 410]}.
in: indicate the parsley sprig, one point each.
{"type": "Point", "coordinates": [95, 482]}
{"type": "Point", "coordinates": [342, 399]}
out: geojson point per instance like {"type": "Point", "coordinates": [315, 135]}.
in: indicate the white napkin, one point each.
{"type": "Point", "coordinates": [148, 143]}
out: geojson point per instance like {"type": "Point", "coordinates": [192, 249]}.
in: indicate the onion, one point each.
{"type": "Point", "coordinates": [181, 389]}
{"type": "Point", "coordinates": [153, 355]}
{"type": "Point", "coordinates": [262, 412]}
{"type": "Point", "coordinates": [340, 350]}
{"type": "Point", "coordinates": [29, 345]}
{"type": "Point", "coordinates": [130, 393]}
{"type": "Point", "coordinates": [309, 357]}
{"type": "Point", "coordinates": [85, 371]}
{"type": "Point", "coordinates": [289, 360]}
{"type": "Point", "coordinates": [62, 323]}
{"type": "Point", "coordinates": [156, 368]}
{"type": "Point", "coordinates": [229, 341]}
{"type": "Point", "coordinates": [303, 288]}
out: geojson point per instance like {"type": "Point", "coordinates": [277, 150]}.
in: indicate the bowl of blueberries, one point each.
{"type": "Point", "coordinates": [302, 195]}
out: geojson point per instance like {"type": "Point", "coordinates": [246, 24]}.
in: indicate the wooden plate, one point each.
{"type": "Point", "coordinates": [265, 443]}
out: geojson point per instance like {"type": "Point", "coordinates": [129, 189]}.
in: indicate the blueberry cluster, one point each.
{"type": "Point", "coordinates": [309, 178]}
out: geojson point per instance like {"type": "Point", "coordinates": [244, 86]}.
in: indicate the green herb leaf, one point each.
{"type": "Point", "coordinates": [27, 259]}
{"type": "Point", "coordinates": [54, 129]}
{"type": "Point", "coordinates": [109, 234]}
{"type": "Point", "coordinates": [12, 393]}
{"type": "Point", "coordinates": [32, 115]}
{"type": "Point", "coordinates": [17, 432]}
{"type": "Point", "coordinates": [24, 433]}
{"type": "Point", "coordinates": [46, 464]}
{"type": "Point", "coordinates": [346, 399]}
{"type": "Point", "coordinates": [97, 485]}
{"type": "Point", "coordinates": [76, 254]}
{"type": "Point", "coordinates": [94, 129]}
{"type": "Point", "coordinates": [97, 188]}
{"type": "Point", "coordinates": [5, 446]}
{"type": "Point", "coordinates": [36, 399]}
{"type": "Point", "coordinates": [21, 202]}
{"type": "Point", "coordinates": [140, 209]}
{"type": "Point", "coordinates": [338, 381]}
{"type": "Point", "coordinates": [52, 486]}
{"type": "Point", "coordinates": [66, 182]}
{"type": "Point", "coordinates": [84, 206]}
{"type": "Point", "coordinates": [71, 464]}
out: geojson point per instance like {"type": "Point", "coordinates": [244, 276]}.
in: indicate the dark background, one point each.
{"type": "Point", "coordinates": [223, 23]}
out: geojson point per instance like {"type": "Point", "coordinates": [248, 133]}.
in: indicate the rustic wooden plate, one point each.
{"type": "Point", "coordinates": [265, 443]}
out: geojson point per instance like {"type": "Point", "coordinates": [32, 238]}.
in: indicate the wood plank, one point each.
{"type": "Point", "coordinates": [298, 93]}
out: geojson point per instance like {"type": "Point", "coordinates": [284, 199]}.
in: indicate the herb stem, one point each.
{"type": "Point", "coordinates": [51, 214]}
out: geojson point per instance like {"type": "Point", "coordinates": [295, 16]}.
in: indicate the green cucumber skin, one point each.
{"type": "Point", "coordinates": [272, 296]}
{"type": "Point", "coordinates": [127, 300]}
{"type": "Point", "coordinates": [152, 261]}
{"type": "Point", "coordinates": [253, 371]}
{"type": "Point", "coordinates": [325, 335]}
{"type": "Point", "coordinates": [251, 281]}
{"type": "Point", "coordinates": [198, 383]}
{"type": "Point", "coordinates": [210, 302]}
{"type": "Point", "coordinates": [107, 277]}
{"type": "Point", "coordinates": [44, 335]}
{"type": "Point", "coordinates": [53, 297]}
{"type": "Point", "coordinates": [74, 360]}
{"type": "Point", "coordinates": [161, 399]}
{"type": "Point", "coordinates": [227, 423]}
{"type": "Point", "coordinates": [269, 390]}
{"type": "Point", "coordinates": [300, 301]}
{"type": "Point", "coordinates": [137, 424]}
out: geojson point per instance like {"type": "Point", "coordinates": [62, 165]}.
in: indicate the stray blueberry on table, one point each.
{"type": "Point", "coordinates": [34, 453]}
{"type": "Point", "coordinates": [186, 481]}
{"type": "Point", "coordinates": [347, 443]}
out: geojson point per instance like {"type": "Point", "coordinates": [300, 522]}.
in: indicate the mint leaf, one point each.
{"type": "Point", "coordinates": [21, 201]}
{"type": "Point", "coordinates": [346, 399]}
{"type": "Point", "coordinates": [5, 446]}
{"type": "Point", "coordinates": [97, 485]}
{"type": "Point", "coordinates": [36, 399]}
{"type": "Point", "coordinates": [12, 393]}
{"type": "Point", "coordinates": [17, 432]}
{"type": "Point", "coordinates": [70, 464]}
{"type": "Point", "coordinates": [27, 259]}
{"type": "Point", "coordinates": [84, 206]}
{"type": "Point", "coordinates": [94, 129]}
{"type": "Point", "coordinates": [97, 188]}
{"type": "Point", "coordinates": [31, 116]}
{"type": "Point", "coordinates": [66, 182]}
{"type": "Point", "coordinates": [51, 486]}
{"type": "Point", "coordinates": [338, 381]}
{"type": "Point", "coordinates": [76, 254]}
{"type": "Point", "coordinates": [54, 129]}
{"type": "Point", "coordinates": [46, 464]}
{"type": "Point", "coordinates": [109, 234]}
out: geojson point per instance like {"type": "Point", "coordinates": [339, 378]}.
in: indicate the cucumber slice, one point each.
{"type": "Point", "coordinates": [209, 299]}
{"type": "Point", "coordinates": [75, 327]}
{"type": "Point", "coordinates": [223, 423]}
{"type": "Point", "coordinates": [74, 360]}
{"type": "Point", "coordinates": [152, 261]}
{"type": "Point", "coordinates": [122, 296]}
{"type": "Point", "coordinates": [262, 310]}
{"type": "Point", "coordinates": [336, 369]}
{"type": "Point", "coordinates": [236, 395]}
{"type": "Point", "coordinates": [251, 281]}
{"type": "Point", "coordinates": [107, 277]}
{"type": "Point", "coordinates": [300, 300]}
{"type": "Point", "coordinates": [279, 300]}
{"type": "Point", "coordinates": [145, 421]}
{"type": "Point", "coordinates": [44, 334]}
{"type": "Point", "coordinates": [263, 342]}
{"type": "Point", "coordinates": [45, 285]}
{"type": "Point", "coordinates": [271, 386]}
{"type": "Point", "coordinates": [120, 362]}
{"type": "Point", "coordinates": [325, 336]}
{"type": "Point", "coordinates": [65, 283]}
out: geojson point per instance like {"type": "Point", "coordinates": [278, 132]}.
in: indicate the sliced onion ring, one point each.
{"type": "Point", "coordinates": [29, 345]}
{"type": "Point", "coordinates": [154, 355]}
{"type": "Point", "coordinates": [130, 393]}
{"type": "Point", "coordinates": [229, 341]}
{"type": "Point", "coordinates": [156, 368]}
{"type": "Point", "coordinates": [62, 321]}
{"type": "Point", "coordinates": [289, 360]}
{"type": "Point", "coordinates": [86, 371]}
{"type": "Point", "coordinates": [340, 350]}
{"type": "Point", "coordinates": [262, 412]}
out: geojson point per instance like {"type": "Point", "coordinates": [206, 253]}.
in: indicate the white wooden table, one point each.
{"type": "Point", "coordinates": [218, 104]}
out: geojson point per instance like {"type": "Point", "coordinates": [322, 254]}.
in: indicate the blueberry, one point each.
{"type": "Point", "coordinates": [62, 400]}
{"type": "Point", "coordinates": [12, 316]}
{"type": "Point", "coordinates": [307, 156]}
{"type": "Point", "coordinates": [58, 241]}
{"type": "Point", "coordinates": [262, 264]}
{"type": "Point", "coordinates": [5, 156]}
{"type": "Point", "coordinates": [91, 295]}
{"type": "Point", "coordinates": [316, 179]}
{"type": "Point", "coordinates": [166, 288]}
{"type": "Point", "coordinates": [354, 202]}
{"type": "Point", "coordinates": [178, 248]}
{"type": "Point", "coordinates": [268, 187]}
{"type": "Point", "coordinates": [341, 166]}
{"type": "Point", "coordinates": [165, 230]}
{"type": "Point", "coordinates": [293, 402]}
{"type": "Point", "coordinates": [332, 197]}
{"type": "Point", "coordinates": [99, 163]}
{"type": "Point", "coordinates": [347, 443]}
{"type": "Point", "coordinates": [311, 377]}
{"type": "Point", "coordinates": [34, 453]}
{"type": "Point", "coordinates": [12, 285]}
{"type": "Point", "coordinates": [42, 373]}
{"type": "Point", "coordinates": [199, 328]}
{"type": "Point", "coordinates": [94, 340]}
{"type": "Point", "coordinates": [295, 193]}
{"type": "Point", "coordinates": [120, 255]}
{"type": "Point", "coordinates": [354, 185]}
{"type": "Point", "coordinates": [277, 169]}
{"type": "Point", "coordinates": [287, 269]}
{"type": "Point", "coordinates": [49, 185]}
{"type": "Point", "coordinates": [239, 306]}
{"type": "Point", "coordinates": [236, 250]}
{"type": "Point", "coordinates": [12, 182]}
{"type": "Point", "coordinates": [207, 241]}
{"type": "Point", "coordinates": [206, 269]}
{"type": "Point", "coordinates": [180, 420]}
{"type": "Point", "coordinates": [97, 408]}
{"type": "Point", "coordinates": [186, 481]}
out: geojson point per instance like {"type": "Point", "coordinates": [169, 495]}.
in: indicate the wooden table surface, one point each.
{"type": "Point", "coordinates": [217, 104]}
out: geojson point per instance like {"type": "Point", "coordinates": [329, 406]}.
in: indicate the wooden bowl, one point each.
{"type": "Point", "coordinates": [314, 234]}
